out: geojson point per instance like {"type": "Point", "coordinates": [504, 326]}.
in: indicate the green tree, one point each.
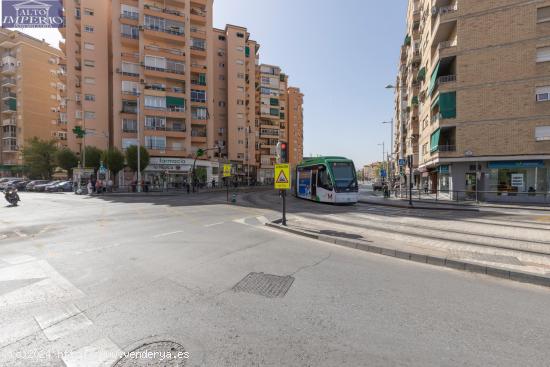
{"type": "Point", "coordinates": [39, 157]}
{"type": "Point", "coordinates": [200, 173]}
{"type": "Point", "coordinates": [131, 158]}
{"type": "Point", "coordinates": [93, 157]}
{"type": "Point", "coordinates": [66, 159]}
{"type": "Point", "coordinates": [114, 160]}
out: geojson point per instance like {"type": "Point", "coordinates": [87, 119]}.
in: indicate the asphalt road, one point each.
{"type": "Point", "coordinates": [83, 279]}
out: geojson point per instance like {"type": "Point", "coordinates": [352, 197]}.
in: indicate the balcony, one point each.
{"type": "Point", "coordinates": [9, 69]}
{"type": "Point", "coordinates": [446, 148]}
{"type": "Point", "coordinates": [198, 15]}
{"type": "Point", "coordinates": [160, 51]}
{"type": "Point", "coordinates": [8, 82]}
{"type": "Point", "coordinates": [7, 95]}
{"type": "Point", "coordinates": [10, 106]}
{"type": "Point", "coordinates": [167, 13]}
{"type": "Point", "coordinates": [9, 122]}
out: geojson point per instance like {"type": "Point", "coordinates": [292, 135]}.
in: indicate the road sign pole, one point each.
{"type": "Point", "coordinates": [283, 193]}
{"type": "Point", "coordinates": [410, 179]}
{"type": "Point", "coordinates": [227, 187]}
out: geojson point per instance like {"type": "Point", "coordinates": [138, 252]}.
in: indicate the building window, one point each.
{"type": "Point", "coordinates": [240, 102]}
{"type": "Point", "coordinates": [198, 44]}
{"type": "Point", "coordinates": [240, 62]}
{"type": "Point", "coordinates": [129, 125]}
{"type": "Point", "coordinates": [130, 69]}
{"type": "Point", "coordinates": [221, 38]}
{"type": "Point", "coordinates": [155, 62]}
{"type": "Point", "coordinates": [129, 12]}
{"type": "Point", "coordinates": [89, 97]}
{"type": "Point", "coordinates": [89, 63]}
{"type": "Point", "coordinates": [130, 87]}
{"type": "Point", "coordinates": [155, 102]}
{"type": "Point", "coordinates": [155, 122]}
{"type": "Point", "coordinates": [542, 133]}
{"type": "Point", "coordinates": [88, 28]}
{"type": "Point", "coordinates": [129, 31]}
{"type": "Point", "coordinates": [198, 96]}
{"type": "Point", "coordinates": [222, 77]}
{"type": "Point", "coordinates": [543, 94]}
{"type": "Point", "coordinates": [155, 142]}
{"type": "Point", "coordinates": [240, 49]}
{"type": "Point", "coordinates": [88, 11]}
{"type": "Point", "coordinates": [240, 75]}
{"type": "Point", "coordinates": [126, 143]}
{"type": "Point", "coordinates": [543, 54]}
{"type": "Point", "coordinates": [89, 115]}
{"type": "Point", "coordinates": [89, 80]}
{"type": "Point", "coordinates": [543, 14]}
{"type": "Point", "coordinates": [240, 89]}
{"type": "Point", "coordinates": [221, 104]}
{"type": "Point", "coordinates": [240, 35]}
{"type": "Point", "coordinates": [240, 116]}
{"type": "Point", "coordinates": [199, 113]}
{"type": "Point", "coordinates": [89, 46]}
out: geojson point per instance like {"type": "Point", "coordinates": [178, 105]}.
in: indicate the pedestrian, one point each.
{"type": "Point", "coordinates": [110, 185]}
{"type": "Point", "coordinates": [213, 183]}
{"type": "Point", "coordinates": [426, 187]}
{"type": "Point", "coordinates": [89, 187]}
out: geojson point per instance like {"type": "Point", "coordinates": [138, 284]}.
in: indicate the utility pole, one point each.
{"type": "Point", "coordinates": [138, 143]}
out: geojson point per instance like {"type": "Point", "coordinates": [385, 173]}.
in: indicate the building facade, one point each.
{"type": "Point", "coordinates": [295, 120]}
{"type": "Point", "coordinates": [471, 98]}
{"type": "Point", "coordinates": [165, 77]}
{"type": "Point", "coordinates": [32, 91]}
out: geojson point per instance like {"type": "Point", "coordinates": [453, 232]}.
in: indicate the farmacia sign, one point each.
{"type": "Point", "coordinates": [32, 14]}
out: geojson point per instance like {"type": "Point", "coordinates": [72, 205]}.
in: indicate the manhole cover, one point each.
{"type": "Point", "coordinates": [266, 285]}
{"type": "Point", "coordinates": [162, 353]}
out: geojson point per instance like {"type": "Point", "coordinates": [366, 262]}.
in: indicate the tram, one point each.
{"type": "Point", "coordinates": [327, 180]}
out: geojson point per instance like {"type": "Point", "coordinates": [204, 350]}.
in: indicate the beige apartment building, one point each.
{"type": "Point", "coordinates": [31, 96]}
{"type": "Point", "coordinates": [159, 72]}
{"type": "Point", "coordinates": [86, 100]}
{"type": "Point", "coordinates": [235, 98]}
{"type": "Point", "coordinates": [473, 98]}
{"type": "Point", "coordinates": [295, 120]}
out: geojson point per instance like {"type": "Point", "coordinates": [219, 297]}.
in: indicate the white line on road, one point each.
{"type": "Point", "coordinates": [62, 322]}
{"type": "Point", "coordinates": [4, 236]}
{"type": "Point", "coordinates": [22, 235]}
{"type": "Point", "coordinates": [102, 352]}
{"type": "Point", "coordinates": [167, 234]}
{"type": "Point", "coordinates": [213, 224]}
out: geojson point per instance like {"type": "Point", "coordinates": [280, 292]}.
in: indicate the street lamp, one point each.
{"type": "Point", "coordinates": [383, 157]}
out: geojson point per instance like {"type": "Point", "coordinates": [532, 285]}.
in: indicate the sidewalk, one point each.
{"type": "Point", "coordinates": [508, 263]}
{"type": "Point", "coordinates": [184, 192]}
{"type": "Point", "coordinates": [431, 204]}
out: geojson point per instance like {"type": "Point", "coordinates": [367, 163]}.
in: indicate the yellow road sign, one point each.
{"type": "Point", "coordinates": [282, 176]}
{"type": "Point", "coordinates": [226, 170]}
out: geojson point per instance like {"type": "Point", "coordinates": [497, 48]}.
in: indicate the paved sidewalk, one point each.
{"type": "Point", "coordinates": [182, 192]}
{"type": "Point", "coordinates": [430, 204]}
{"type": "Point", "coordinates": [510, 263]}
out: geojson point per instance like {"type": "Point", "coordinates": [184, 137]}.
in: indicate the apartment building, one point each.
{"type": "Point", "coordinates": [86, 99]}
{"type": "Point", "coordinates": [295, 122]}
{"type": "Point", "coordinates": [271, 102]}
{"type": "Point", "coordinates": [31, 96]}
{"type": "Point", "coordinates": [472, 97]}
{"type": "Point", "coordinates": [235, 98]}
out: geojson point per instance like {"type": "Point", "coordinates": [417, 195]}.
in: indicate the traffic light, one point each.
{"type": "Point", "coordinates": [284, 153]}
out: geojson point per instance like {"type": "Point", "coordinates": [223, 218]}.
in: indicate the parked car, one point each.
{"type": "Point", "coordinates": [60, 187]}
{"type": "Point", "coordinates": [30, 186]}
{"type": "Point", "coordinates": [42, 187]}
{"type": "Point", "coordinates": [10, 183]}
{"type": "Point", "coordinates": [21, 185]}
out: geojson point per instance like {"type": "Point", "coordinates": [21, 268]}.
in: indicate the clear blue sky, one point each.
{"type": "Point", "coordinates": [340, 53]}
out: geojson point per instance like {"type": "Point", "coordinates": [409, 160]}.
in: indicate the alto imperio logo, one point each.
{"type": "Point", "coordinates": [32, 14]}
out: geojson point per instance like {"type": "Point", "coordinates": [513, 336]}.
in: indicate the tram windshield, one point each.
{"type": "Point", "coordinates": [344, 175]}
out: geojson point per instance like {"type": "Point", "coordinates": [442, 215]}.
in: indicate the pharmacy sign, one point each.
{"type": "Point", "coordinates": [32, 14]}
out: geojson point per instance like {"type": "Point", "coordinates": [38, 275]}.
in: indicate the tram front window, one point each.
{"type": "Point", "coordinates": [344, 176]}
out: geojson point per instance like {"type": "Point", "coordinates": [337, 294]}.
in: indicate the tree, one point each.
{"type": "Point", "coordinates": [114, 160]}
{"type": "Point", "coordinates": [66, 159]}
{"type": "Point", "coordinates": [93, 157]}
{"type": "Point", "coordinates": [131, 158]}
{"type": "Point", "coordinates": [39, 157]}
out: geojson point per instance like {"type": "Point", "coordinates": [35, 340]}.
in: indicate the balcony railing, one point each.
{"type": "Point", "coordinates": [179, 71]}
{"type": "Point", "coordinates": [446, 79]}
{"type": "Point", "coordinates": [8, 81]}
{"type": "Point", "coordinates": [446, 9]}
{"type": "Point", "coordinates": [198, 134]}
{"type": "Point", "coordinates": [9, 95]}
{"type": "Point", "coordinates": [177, 31]}
{"type": "Point", "coordinates": [163, 10]}
{"type": "Point", "coordinates": [446, 148]}
{"type": "Point", "coordinates": [447, 44]}
{"type": "Point", "coordinates": [129, 15]}
{"type": "Point", "coordinates": [166, 128]}
{"type": "Point", "coordinates": [173, 51]}
{"type": "Point", "coordinates": [131, 35]}
{"type": "Point", "coordinates": [435, 118]}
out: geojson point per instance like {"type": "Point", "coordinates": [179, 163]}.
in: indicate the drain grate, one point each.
{"type": "Point", "coordinates": [267, 285]}
{"type": "Point", "coordinates": [161, 353]}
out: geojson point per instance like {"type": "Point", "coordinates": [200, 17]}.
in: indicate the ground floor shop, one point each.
{"type": "Point", "coordinates": [165, 173]}
{"type": "Point", "coordinates": [513, 180]}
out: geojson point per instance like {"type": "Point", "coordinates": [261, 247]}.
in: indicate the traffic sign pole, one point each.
{"type": "Point", "coordinates": [283, 193]}
{"type": "Point", "coordinates": [282, 182]}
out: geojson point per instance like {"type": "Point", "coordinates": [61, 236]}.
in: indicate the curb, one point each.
{"type": "Point", "coordinates": [384, 203]}
{"type": "Point", "coordinates": [170, 194]}
{"type": "Point", "coordinates": [492, 271]}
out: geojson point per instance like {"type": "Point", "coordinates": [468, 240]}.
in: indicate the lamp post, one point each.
{"type": "Point", "coordinates": [383, 157]}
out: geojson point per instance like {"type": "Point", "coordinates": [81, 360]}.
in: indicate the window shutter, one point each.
{"type": "Point", "coordinates": [543, 13]}
{"type": "Point", "coordinates": [543, 54]}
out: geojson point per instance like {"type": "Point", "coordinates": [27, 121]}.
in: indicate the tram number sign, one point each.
{"type": "Point", "coordinates": [226, 170]}
{"type": "Point", "coordinates": [282, 176]}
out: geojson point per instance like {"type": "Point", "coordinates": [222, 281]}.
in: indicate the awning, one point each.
{"type": "Point", "coordinates": [434, 141]}
{"type": "Point", "coordinates": [447, 105]}
{"type": "Point", "coordinates": [175, 101]}
{"type": "Point", "coordinates": [414, 101]}
{"type": "Point", "coordinates": [247, 51]}
{"type": "Point", "coordinates": [407, 40]}
{"type": "Point", "coordinates": [433, 81]}
{"type": "Point", "coordinates": [421, 74]}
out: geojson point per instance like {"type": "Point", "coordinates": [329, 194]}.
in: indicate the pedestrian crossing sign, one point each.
{"type": "Point", "coordinates": [282, 177]}
{"type": "Point", "coordinates": [226, 170]}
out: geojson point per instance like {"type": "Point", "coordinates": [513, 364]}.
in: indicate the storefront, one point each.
{"type": "Point", "coordinates": [516, 177]}
{"type": "Point", "coordinates": [164, 173]}
{"type": "Point", "coordinates": [444, 178]}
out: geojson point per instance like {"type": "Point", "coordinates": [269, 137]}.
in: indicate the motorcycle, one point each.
{"type": "Point", "coordinates": [11, 196]}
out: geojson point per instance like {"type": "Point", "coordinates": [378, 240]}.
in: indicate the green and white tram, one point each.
{"type": "Point", "coordinates": [327, 180]}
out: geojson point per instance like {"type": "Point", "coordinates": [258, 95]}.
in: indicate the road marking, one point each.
{"type": "Point", "coordinates": [16, 330]}
{"type": "Point", "coordinates": [213, 224]}
{"type": "Point", "coordinates": [4, 236]}
{"type": "Point", "coordinates": [167, 234]}
{"type": "Point", "coordinates": [22, 235]}
{"type": "Point", "coordinates": [101, 353]}
{"type": "Point", "coordinates": [53, 287]}
{"type": "Point", "coordinates": [15, 259]}
{"type": "Point", "coordinates": [59, 323]}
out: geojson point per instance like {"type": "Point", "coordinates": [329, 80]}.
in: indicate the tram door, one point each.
{"type": "Point", "coordinates": [313, 184]}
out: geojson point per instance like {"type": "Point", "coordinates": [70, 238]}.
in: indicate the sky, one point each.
{"type": "Point", "coordinates": [340, 54]}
